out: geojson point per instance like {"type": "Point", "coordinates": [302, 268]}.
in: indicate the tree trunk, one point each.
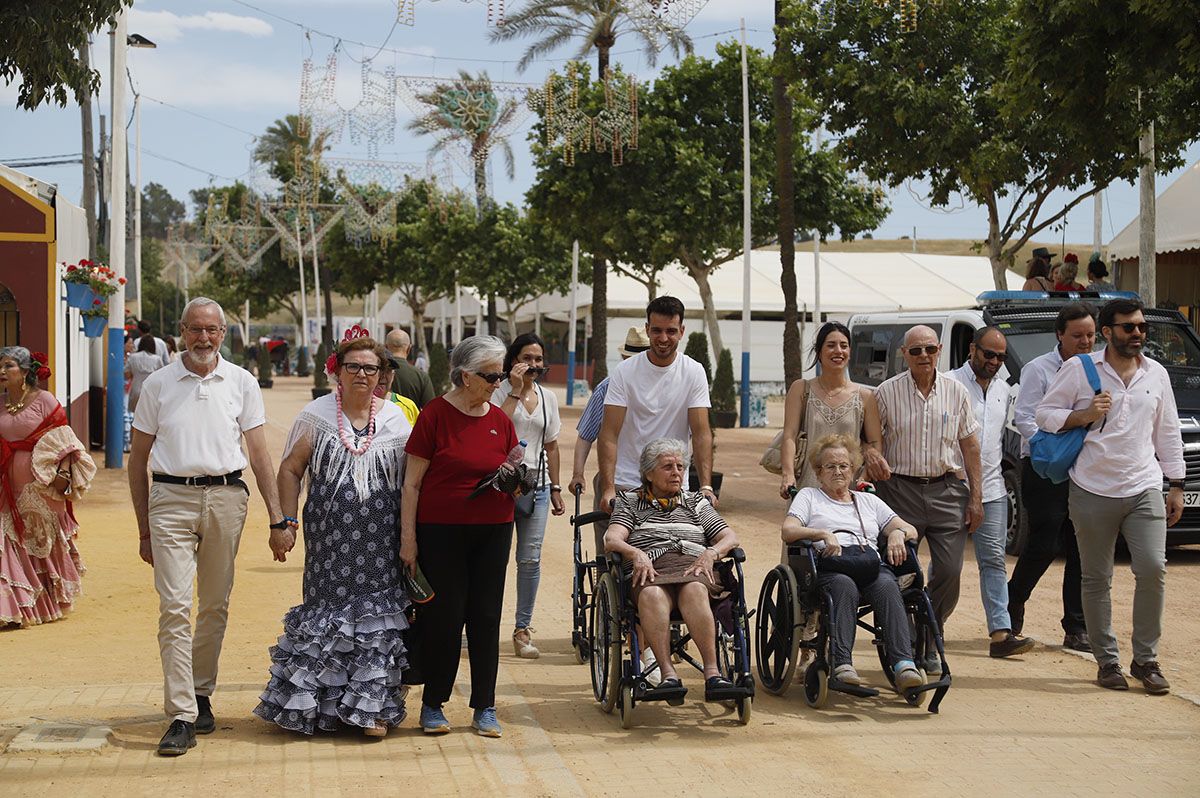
{"type": "Point", "coordinates": [1147, 265]}
{"type": "Point", "coordinates": [418, 314]}
{"type": "Point", "coordinates": [512, 323]}
{"type": "Point", "coordinates": [996, 250]}
{"type": "Point", "coordinates": [599, 343]}
{"type": "Point", "coordinates": [89, 158]}
{"type": "Point", "coordinates": [327, 332]}
{"type": "Point", "coordinates": [700, 275]}
{"type": "Point", "coordinates": [785, 192]}
{"type": "Point", "coordinates": [493, 315]}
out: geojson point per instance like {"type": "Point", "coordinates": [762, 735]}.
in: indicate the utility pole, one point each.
{"type": "Point", "coordinates": [114, 428]}
{"type": "Point", "coordinates": [1147, 267]}
{"type": "Point", "coordinates": [84, 96]}
{"type": "Point", "coordinates": [746, 237]}
{"type": "Point", "coordinates": [137, 204]}
{"type": "Point", "coordinates": [103, 194]}
{"type": "Point", "coordinates": [1097, 221]}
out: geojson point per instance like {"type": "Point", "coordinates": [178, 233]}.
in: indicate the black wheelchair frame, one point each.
{"type": "Point", "coordinates": [618, 678]}
{"type": "Point", "coordinates": [583, 584]}
{"type": "Point", "coordinates": [791, 592]}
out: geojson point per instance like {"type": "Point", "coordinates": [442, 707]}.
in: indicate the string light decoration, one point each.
{"type": "Point", "coordinates": [906, 9]}
{"type": "Point", "coordinates": [320, 114]}
{"type": "Point", "coordinates": [243, 238]}
{"type": "Point", "coordinates": [373, 120]}
{"type": "Point", "coordinates": [304, 187]}
{"type": "Point", "coordinates": [406, 11]}
{"type": "Point", "coordinates": [614, 129]}
{"type": "Point", "coordinates": [660, 16]}
{"type": "Point", "coordinates": [370, 192]}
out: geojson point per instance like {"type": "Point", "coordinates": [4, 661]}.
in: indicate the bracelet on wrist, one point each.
{"type": "Point", "coordinates": [555, 488]}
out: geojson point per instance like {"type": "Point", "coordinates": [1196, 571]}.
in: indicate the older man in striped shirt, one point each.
{"type": "Point", "coordinates": [929, 440]}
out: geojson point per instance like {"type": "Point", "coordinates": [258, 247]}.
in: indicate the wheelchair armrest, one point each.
{"type": "Point", "coordinates": [737, 554]}
{"type": "Point", "coordinates": [589, 518]}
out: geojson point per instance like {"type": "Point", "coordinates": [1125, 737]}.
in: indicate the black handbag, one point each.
{"type": "Point", "coordinates": [526, 502]}
{"type": "Point", "coordinates": [860, 563]}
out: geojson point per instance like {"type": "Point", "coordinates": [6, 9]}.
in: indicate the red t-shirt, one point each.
{"type": "Point", "coordinates": [461, 450]}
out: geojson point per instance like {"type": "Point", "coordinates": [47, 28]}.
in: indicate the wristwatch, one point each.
{"type": "Point", "coordinates": [1175, 483]}
{"type": "Point", "coordinates": [281, 525]}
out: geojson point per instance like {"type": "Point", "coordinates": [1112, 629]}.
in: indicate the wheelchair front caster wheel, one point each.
{"type": "Point", "coordinates": [816, 685]}
{"type": "Point", "coordinates": [743, 710]}
{"type": "Point", "coordinates": [626, 704]}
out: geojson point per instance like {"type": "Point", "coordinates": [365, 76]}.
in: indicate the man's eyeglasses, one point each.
{"type": "Point", "coordinates": [1129, 326]}
{"type": "Point", "coordinates": [990, 355]}
{"type": "Point", "coordinates": [213, 332]}
{"type": "Point", "coordinates": [929, 349]}
{"type": "Point", "coordinates": [365, 368]}
{"type": "Point", "coordinates": [492, 377]}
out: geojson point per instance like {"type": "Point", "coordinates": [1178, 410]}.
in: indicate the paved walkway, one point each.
{"type": "Point", "coordinates": [1032, 727]}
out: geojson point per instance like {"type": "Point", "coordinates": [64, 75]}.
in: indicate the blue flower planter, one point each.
{"type": "Point", "coordinates": [80, 296]}
{"type": "Point", "coordinates": [94, 326]}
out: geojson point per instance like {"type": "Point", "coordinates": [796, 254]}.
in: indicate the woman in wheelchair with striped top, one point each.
{"type": "Point", "coordinates": [844, 527]}
{"type": "Point", "coordinates": [669, 540]}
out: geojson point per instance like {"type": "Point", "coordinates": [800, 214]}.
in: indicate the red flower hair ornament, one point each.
{"type": "Point", "coordinates": [39, 367]}
{"type": "Point", "coordinates": [352, 334]}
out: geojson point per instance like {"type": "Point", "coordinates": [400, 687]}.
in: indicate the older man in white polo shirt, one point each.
{"type": "Point", "coordinates": [189, 425]}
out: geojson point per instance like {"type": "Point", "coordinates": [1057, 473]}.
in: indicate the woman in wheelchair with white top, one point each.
{"type": "Point", "coordinates": [669, 539]}
{"type": "Point", "coordinates": [845, 527]}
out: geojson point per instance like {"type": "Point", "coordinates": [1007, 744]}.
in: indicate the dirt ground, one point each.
{"type": "Point", "coordinates": [1035, 725]}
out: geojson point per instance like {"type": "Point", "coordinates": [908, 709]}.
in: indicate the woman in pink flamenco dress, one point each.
{"type": "Point", "coordinates": [43, 467]}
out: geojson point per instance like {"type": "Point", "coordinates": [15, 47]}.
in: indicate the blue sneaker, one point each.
{"type": "Point", "coordinates": [485, 723]}
{"type": "Point", "coordinates": [433, 720]}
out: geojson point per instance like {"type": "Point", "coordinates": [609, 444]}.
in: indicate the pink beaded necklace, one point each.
{"type": "Point", "coordinates": [341, 419]}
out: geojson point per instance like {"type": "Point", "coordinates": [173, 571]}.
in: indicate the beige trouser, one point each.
{"type": "Point", "coordinates": [194, 535]}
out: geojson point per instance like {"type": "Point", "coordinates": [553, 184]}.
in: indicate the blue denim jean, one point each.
{"type": "Point", "coordinates": [530, 532]}
{"type": "Point", "coordinates": [989, 555]}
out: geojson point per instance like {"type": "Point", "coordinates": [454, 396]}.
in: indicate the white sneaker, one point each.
{"type": "Point", "coordinates": [653, 678]}
{"type": "Point", "coordinates": [523, 645]}
{"type": "Point", "coordinates": [847, 675]}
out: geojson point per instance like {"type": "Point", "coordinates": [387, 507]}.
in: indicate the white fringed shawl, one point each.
{"type": "Point", "coordinates": [379, 467]}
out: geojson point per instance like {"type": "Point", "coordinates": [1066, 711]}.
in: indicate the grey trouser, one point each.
{"type": "Point", "coordinates": [1142, 521]}
{"type": "Point", "coordinates": [194, 536]}
{"type": "Point", "coordinates": [884, 597]}
{"type": "Point", "coordinates": [938, 511]}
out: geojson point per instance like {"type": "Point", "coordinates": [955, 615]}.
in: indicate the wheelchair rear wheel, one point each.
{"type": "Point", "coordinates": [580, 613]}
{"type": "Point", "coordinates": [816, 685]}
{"type": "Point", "coordinates": [777, 640]}
{"type": "Point", "coordinates": [605, 637]}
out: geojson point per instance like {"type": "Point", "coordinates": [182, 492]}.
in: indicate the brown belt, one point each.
{"type": "Point", "coordinates": [925, 480]}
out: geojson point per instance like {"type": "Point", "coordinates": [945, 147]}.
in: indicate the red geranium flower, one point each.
{"type": "Point", "coordinates": [331, 364]}
{"type": "Point", "coordinates": [121, 280]}
{"type": "Point", "coordinates": [70, 268]}
{"type": "Point", "coordinates": [43, 373]}
{"type": "Point", "coordinates": [97, 302]}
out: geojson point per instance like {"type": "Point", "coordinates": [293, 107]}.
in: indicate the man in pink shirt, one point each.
{"type": "Point", "coordinates": [1116, 484]}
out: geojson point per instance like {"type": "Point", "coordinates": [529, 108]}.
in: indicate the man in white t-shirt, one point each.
{"type": "Point", "coordinates": [660, 393]}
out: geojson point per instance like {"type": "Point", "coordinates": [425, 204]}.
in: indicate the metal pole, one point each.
{"type": "Point", "coordinates": [186, 294]}
{"type": "Point", "coordinates": [114, 428]}
{"type": "Point", "coordinates": [817, 263]}
{"type": "Point", "coordinates": [746, 246]}
{"type": "Point", "coordinates": [137, 204]}
{"type": "Point", "coordinates": [457, 331]}
{"type": "Point", "coordinates": [1098, 221]}
{"type": "Point", "coordinates": [316, 274]}
{"type": "Point", "coordinates": [302, 339]}
{"type": "Point", "coordinates": [246, 326]}
{"type": "Point", "coordinates": [574, 318]}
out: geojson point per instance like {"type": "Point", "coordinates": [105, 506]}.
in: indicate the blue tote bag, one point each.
{"type": "Point", "coordinates": [1053, 453]}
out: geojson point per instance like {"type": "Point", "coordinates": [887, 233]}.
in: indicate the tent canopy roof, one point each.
{"type": "Point", "coordinates": [1176, 222]}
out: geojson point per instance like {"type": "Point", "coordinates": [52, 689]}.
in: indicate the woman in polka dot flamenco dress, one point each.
{"type": "Point", "coordinates": [341, 657]}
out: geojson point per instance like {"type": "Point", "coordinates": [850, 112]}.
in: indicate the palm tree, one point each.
{"type": "Point", "coordinates": [592, 23]}
{"type": "Point", "coordinates": [468, 111]}
{"type": "Point", "coordinates": [276, 148]}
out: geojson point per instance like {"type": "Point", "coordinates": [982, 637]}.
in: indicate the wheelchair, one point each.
{"type": "Point", "coordinates": [583, 584]}
{"type": "Point", "coordinates": [791, 597]}
{"type": "Point", "coordinates": [619, 679]}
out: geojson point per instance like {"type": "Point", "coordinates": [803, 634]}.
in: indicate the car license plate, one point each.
{"type": "Point", "coordinates": [1191, 498]}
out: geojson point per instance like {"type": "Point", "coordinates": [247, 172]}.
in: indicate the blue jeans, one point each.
{"type": "Point", "coordinates": [989, 555]}
{"type": "Point", "coordinates": [530, 532]}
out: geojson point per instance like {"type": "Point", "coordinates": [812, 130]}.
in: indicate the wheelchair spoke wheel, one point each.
{"type": "Point", "coordinates": [581, 630]}
{"type": "Point", "coordinates": [776, 638]}
{"type": "Point", "coordinates": [816, 685]}
{"type": "Point", "coordinates": [605, 637]}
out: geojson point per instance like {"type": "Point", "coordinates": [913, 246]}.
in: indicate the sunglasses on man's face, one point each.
{"type": "Point", "coordinates": [492, 377]}
{"type": "Point", "coordinates": [929, 349]}
{"type": "Point", "coordinates": [1129, 326]}
{"type": "Point", "coordinates": [988, 354]}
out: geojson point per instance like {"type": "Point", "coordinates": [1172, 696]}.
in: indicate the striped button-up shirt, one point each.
{"type": "Point", "coordinates": [921, 434]}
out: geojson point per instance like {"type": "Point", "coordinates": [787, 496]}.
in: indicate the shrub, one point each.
{"type": "Point", "coordinates": [439, 368]}
{"type": "Point", "coordinates": [724, 396]}
{"type": "Point", "coordinates": [697, 350]}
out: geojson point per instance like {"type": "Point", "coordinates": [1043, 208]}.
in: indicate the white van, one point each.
{"type": "Point", "coordinates": [1027, 320]}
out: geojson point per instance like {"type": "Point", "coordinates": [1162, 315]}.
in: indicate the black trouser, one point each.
{"type": "Point", "coordinates": [465, 565]}
{"type": "Point", "coordinates": [1050, 533]}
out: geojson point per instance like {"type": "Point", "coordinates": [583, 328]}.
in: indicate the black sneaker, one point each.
{"type": "Point", "coordinates": [180, 736]}
{"type": "Point", "coordinates": [1077, 641]}
{"type": "Point", "coordinates": [205, 722]}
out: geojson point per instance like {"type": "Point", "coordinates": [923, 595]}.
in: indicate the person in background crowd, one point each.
{"type": "Point", "coordinates": [191, 420]}
{"type": "Point", "coordinates": [930, 438]}
{"type": "Point", "coordinates": [43, 469]}
{"type": "Point", "coordinates": [1068, 270]}
{"type": "Point", "coordinates": [1038, 276]}
{"type": "Point", "coordinates": [1133, 443]}
{"type": "Point", "coordinates": [140, 365]}
{"type": "Point", "coordinates": [341, 655]}
{"type": "Point", "coordinates": [173, 349]}
{"type": "Point", "coordinates": [462, 544]}
{"type": "Point", "coordinates": [989, 401]}
{"type": "Point", "coordinates": [421, 361]}
{"type": "Point", "coordinates": [408, 380]}
{"type": "Point", "coordinates": [1050, 529]}
{"type": "Point", "coordinates": [1097, 274]}
{"type": "Point", "coordinates": [534, 413]}
{"type": "Point", "coordinates": [160, 346]}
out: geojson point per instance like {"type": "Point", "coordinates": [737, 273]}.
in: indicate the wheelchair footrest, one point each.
{"type": "Point", "coordinates": [672, 695]}
{"type": "Point", "coordinates": [852, 689]}
{"type": "Point", "coordinates": [728, 694]}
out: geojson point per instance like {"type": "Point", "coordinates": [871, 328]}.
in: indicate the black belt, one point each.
{"type": "Point", "coordinates": [232, 478]}
{"type": "Point", "coordinates": [925, 480]}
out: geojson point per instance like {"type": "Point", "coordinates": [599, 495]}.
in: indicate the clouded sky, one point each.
{"type": "Point", "coordinates": [225, 70]}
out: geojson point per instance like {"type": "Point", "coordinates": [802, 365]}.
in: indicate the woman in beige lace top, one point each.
{"type": "Point", "coordinates": [831, 404]}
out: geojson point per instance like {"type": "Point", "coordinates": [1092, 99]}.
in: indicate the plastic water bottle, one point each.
{"type": "Point", "coordinates": [516, 455]}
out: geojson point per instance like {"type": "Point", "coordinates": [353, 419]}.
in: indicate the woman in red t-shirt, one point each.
{"type": "Point", "coordinates": [462, 544]}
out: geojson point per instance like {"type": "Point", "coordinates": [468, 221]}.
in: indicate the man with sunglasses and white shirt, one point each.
{"type": "Point", "coordinates": [1116, 484]}
{"type": "Point", "coordinates": [989, 400]}
{"type": "Point", "coordinates": [929, 439]}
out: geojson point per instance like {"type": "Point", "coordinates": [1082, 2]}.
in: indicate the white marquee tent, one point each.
{"type": "Point", "coordinates": [1176, 220]}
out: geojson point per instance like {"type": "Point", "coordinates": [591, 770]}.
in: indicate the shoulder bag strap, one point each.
{"type": "Point", "coordinates": [1093, 378]}
{"type": "Point", "coordinates": [862, 528]}
{"type": "Point", "coordinates": [542, 452]}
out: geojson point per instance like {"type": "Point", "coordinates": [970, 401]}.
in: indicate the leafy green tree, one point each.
{"type": "Point", "coordinates": [41, 41]}
{"type": "Point", "coordinates": [1001, 101]}
{"type": "Point", "coordinates": [439, 368]}
{"type": "Point", "coordinates": [697, 350]}
{"type": "Point", "coordinates": [277, 148]}
{"type": "Point", "coordinates": [159, 211]}
{"type": "Point", "coordinates": [724, 395]}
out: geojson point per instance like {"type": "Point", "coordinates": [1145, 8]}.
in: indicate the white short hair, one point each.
{"type": "Point", "coordinates": [202, 302]}
{"type": "Point", "coordinates": [656, 449]}
{"type": "Point", "coordinates": [471, 353]}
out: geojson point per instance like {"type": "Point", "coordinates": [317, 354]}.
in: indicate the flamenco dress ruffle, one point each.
{"type": "Point", "coordinates": [339, 664]}
{"type": "Point", "coordinates": [36, 590]}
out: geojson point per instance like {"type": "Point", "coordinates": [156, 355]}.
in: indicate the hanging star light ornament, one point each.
{"type": "Point", "coordinates": [244, 238]}
{"type": "Point", "coordinates": [370, 191]}
{"type": "Point", "coordinates": [616, 127]}
{"type": "Point", "coordinates": [655, 17]}
{"type": "Point", "coordinates": [558, 101]}
{"type": "Point", "coordinates": [373, 121]}
{"type": "Point", "coordinates": [320, 115]}
{"type": "Point", "coordinates": [406, 11]}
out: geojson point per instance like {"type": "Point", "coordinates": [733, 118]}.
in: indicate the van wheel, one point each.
{"type": "Point", "coordinates": [1018, 518]}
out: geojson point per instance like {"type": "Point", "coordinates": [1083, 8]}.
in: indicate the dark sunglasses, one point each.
{"type": "Point", "coordinates": [1129, 326]}
{"type": "Point", "coordinates": [535, 371]}
{"type": "Point", "coordinates": [492, 377]}
{"type": "Point", "coordinates": [365, 368]}
{"type": "Point", "coordinates": [990, 355]}
{"type": "Point", "coordinates": [929, 349]}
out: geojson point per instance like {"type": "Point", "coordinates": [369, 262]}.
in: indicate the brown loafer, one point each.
{"type": "Point", "coordinates": [1111, 678]}
{"type": "Point", "coordinates": [1009, 646]}
{"type": "Point", "coordinates": [1151, 675]}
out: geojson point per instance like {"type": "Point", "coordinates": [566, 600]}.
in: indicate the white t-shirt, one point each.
{"type": "Point", "coordinates": [529, 425]}
{"type": "Point", "coordinates": [817, 510]}
{"type": "Point", "coordinates": [198, 422]}
{"type": "Point", "coordinates": [656, 401]}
